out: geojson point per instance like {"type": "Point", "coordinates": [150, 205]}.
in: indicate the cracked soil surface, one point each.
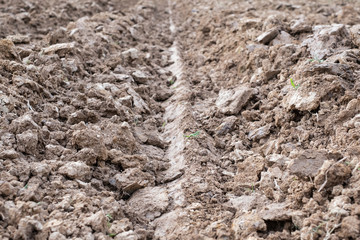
{"type": "Point", "coordinates": [179, 119]}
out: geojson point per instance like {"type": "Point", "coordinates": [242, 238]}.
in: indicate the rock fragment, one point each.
{"type": "Point", "coordinates": [266, 37]}
{"type": "Point", "coordinates": [259, 133]}
{"type": "Point", "coordinates": [131, 180]}
{"type": "Point", "coordinates": [60, 48]}
{"type": "Point", "coordinates": [308, 163]}
{"type": "Point", "coordinates": [306, 101]}
{"type": "Point", "coordinates": [232, 101]}
{"type": "Point", "coordinates": [327, 39]}
{"type": "Point", "coordinates": [140, 76]}
{"type": "Point", "coordinates": [75, 170]}
{"type": "Point", "coordinates": [19, 38]}
{"type": "Point", "coordinates": [149, 203]}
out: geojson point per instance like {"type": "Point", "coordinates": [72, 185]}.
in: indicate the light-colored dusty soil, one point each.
{"type": "Point", "coordinates": [177, 119]}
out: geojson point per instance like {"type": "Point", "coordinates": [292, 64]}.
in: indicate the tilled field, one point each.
{"type": "Point", "coordinates": [179, 119]}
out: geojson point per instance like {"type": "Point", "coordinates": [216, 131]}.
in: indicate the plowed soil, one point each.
{"type": "Point", "coordinates": [179, 119]}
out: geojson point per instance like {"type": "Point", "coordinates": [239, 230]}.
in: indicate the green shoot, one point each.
{"type": "Point", "coordinates": [26, 186]}
{"type": "Point", "coordinates": [195, 134]}
{"type": "Point", "coordinates": [108, 217]}
{"type": "Point", "coordinates": [112, 235]}
{"type": "Point", "coordinates": [293, 84]}
{"type": "Point", "coordinates": [164, 123]}
{"type": "Point", "coordinates": [316, 59]}
{"type": "Point", "coordinates": [315, 229]}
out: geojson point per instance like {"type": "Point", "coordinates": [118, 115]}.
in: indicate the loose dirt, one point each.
{"type": "Point", "coordinates": [177, 119]}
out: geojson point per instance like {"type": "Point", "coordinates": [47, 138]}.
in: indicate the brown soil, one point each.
{"type": "Point", "coordinates": [176, 119]}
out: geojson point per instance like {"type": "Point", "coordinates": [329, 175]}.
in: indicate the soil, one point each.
{"type": "Point", "coordinates": [179, 119]}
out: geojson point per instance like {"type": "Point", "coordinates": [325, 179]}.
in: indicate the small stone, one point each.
{"type": "Point", "coordinates": [140, 77]}
{"type": "Point", "coordinates": [75, 170]}
{"type": "Point", "coordinates": [259, 133]}
{"type": "Point", "coordinates": [282, 38]}
{"type": "Point", "coordinates": [123, 78]}
{"type": "Point", "coordinates": [149, 203]}
{"type": "Point", "coordinates": [266, 37]}
{"type": "Point", "coordinates": [59, 48]}
{"type": "Point", "coordinates": [232, 101]}
{"type": "Point", "coordinates": [308, 163]}
{"type": "Point", "coordinates": [19, 38]}
{"type": "Point", "coordinates": [132, 179]}
{"type": "Point", "coordinates": [306, 101]}
{"type": "Point", "coordinates": [131, 53]}
{"type": "Point", "coordinates": [227, 126]}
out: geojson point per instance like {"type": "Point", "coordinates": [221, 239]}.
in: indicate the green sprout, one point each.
{"type": "Point", "coordinates": [112, 235]}
{"type": "Point", "coordinates": [108, 217]}
{"type": "Point", "coordinates": [171, 81]}
{"type": "Point", "coordinates": [316, 229]}
{"type": "Point", "coordinates": [293, 84]}
{"type": "Point", "coordinates": [316, 59]}
{"type": "Point", "coordinates": [164, 123]}
{"type": "Point", "coordinates": [195, 134]}
{"type": "Point", "coordinates": [26, 186]}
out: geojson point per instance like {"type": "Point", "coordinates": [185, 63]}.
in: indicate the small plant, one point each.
{"type": "Point", "coordinates": [112, 235]}
{"type": "Point", "coordinates": [108, 217]}
{"type": "Point", "coordinates": [293, 84]}
{"type": "Point", "coordinates": [26, 186]}
{"type": "Point", "coordinates": [316, 229]}
{"type": "Point", "coordinates": [171, 81]}
{"type": "Point", "coordinates": [316, 59]}
{"type": "Point", "coordinates": [195, 134]}
{"type": "Point", "coordinates": [164, 123]}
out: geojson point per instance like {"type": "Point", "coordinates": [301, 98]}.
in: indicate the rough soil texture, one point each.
{"type": "Point", "coordinates": [176, 119]}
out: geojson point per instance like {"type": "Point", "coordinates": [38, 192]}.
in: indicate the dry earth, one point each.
{"type": "Point", "coordinates": [176, 119]}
